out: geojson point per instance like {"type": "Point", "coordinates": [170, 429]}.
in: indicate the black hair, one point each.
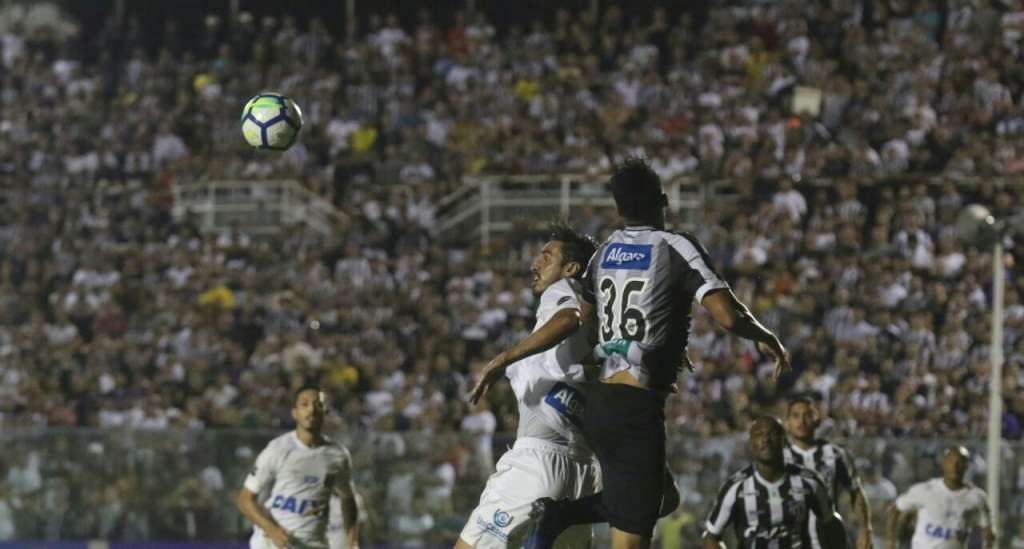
{"type": "Point", "coordinates": [303, 389]}
{"type": "Point", "coordinates": [776, 424]}
{"type": "Point", "coordinates": [637, 189]}
{"type": "Point", "coordinates": [576, 246]}
{"type": "Point", "coordinates": [802, 399]}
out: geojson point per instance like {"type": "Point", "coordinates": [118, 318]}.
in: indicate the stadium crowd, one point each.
{"type": "Point", "coordinates": [116, 314]}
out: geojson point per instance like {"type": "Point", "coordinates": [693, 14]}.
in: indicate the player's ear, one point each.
{"type": "Point", "coordinates": [571, 269]}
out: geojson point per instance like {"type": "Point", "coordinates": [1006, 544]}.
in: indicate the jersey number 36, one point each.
{"type": "Point", "coordinates": [632, 321]}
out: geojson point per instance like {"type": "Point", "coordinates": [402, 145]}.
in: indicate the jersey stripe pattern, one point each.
{"type": "Point", "coordinates": [769, 515]}
{"type": "Point", "coordinates": [643, 281]}
{"type": "Point", "coordinates": [833, 463]}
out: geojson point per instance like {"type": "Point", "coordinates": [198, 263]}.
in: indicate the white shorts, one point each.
{"type": "Point", "coordinates": [260, 541]}
{"type": "Point", "coordinates": [532, 469]}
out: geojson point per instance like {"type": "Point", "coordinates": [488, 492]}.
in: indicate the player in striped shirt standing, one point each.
{"type": "Point", "coordinates": [829, 460]}
{"type": "Point", "coordinates": [768, 503]}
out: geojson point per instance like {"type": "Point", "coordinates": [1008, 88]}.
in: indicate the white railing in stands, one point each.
{"type": "Point", "coordinates": [491, 204]}
{"type": "Point", "coordinates": [258, 207]}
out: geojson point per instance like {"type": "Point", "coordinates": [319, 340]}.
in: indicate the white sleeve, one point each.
{"type": "Point", "coordinates": [343, 482]}
{"type": "Point", "coordinates": [558, 296]}
{"type": "Point", "coordinates": [263, 473]}
{"type": "Point", "coordinates": [984, 519]}
{"type": "Point", "coordinates": [913, 499]}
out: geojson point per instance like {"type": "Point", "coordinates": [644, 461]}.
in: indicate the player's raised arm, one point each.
{"type": "Point", "coordinates": [735, 317]}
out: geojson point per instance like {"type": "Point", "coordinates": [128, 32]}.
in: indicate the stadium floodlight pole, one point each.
{"type": "Point", "coordinates": [977, 227]}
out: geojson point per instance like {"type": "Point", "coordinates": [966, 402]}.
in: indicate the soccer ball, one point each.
{"type": "Point", "coordinates": [271, 121]}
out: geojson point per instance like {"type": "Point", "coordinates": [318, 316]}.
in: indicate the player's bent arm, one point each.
{"type": "Point", "coordinates": [861, 507]}
{"type": "Point", "coordinates": [258, 515]}
{"type": "Point", "coordinates": [735, 317]}
{"type": "Point", "coordinates": [988, 538]}
{"type": "Point", "coordinates": [561, 325]}
{"type": "Point", "coordinates": [711, 541]}
{"type": "Point", "coordinates": [895, 525]}
{"type": "Point", "coordinates": [350, 516]}
{"type": "Point", "coordinates": [831, 531]}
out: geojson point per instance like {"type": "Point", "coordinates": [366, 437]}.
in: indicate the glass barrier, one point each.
{"type": "Point", "coordinates": [416, 488]}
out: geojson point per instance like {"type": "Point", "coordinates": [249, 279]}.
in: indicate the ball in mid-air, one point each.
{"type": "Point", "coordinates": [271, 121]}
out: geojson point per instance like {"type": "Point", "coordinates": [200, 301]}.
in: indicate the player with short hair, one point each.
{"type": "Point", "coordinates": [643, 281]}
{"type": "Point", "coordinates": [769, 502]}
{"type": "Point", "coordinates": [946, 508]}
{"type": "Point", "coordinates": [829, 460]}
{"type": "Point", "coordinates": [549, 457]}
{"type": "Point", "coordinates": [286, 493]}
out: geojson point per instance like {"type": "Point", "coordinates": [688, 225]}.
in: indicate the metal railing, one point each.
{"type": "Point", "coordinates": [120, 485]}
{"type": "Point", "coordinates": [258, 207]}
{"type": "Point", "coordinates": [486, 205]}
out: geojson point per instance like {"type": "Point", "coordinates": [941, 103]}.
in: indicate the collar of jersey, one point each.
{"type": "Point", "coordinates": [766, 482]}
{"type": "Point", "coordinates": [639, 228]}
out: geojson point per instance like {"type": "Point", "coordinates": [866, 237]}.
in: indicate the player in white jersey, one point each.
{"type": "Point", "coordinates": [549, 458]}
{"type": "Point", "coordinates": [947, 508]}
{"type": "Point", "coordinates": [286, 493]}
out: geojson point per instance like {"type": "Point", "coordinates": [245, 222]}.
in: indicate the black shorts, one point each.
{"type": "Point", "coordinates": [625, 426]}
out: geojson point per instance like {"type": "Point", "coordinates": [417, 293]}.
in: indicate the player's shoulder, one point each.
{"type": "Point", "coordinates": [282, 442]}
{"type": "Point", "coordinates": [558, 291]}
{"type": "Point", "coordinates": [741, 475]}
{"type": "Point", "coordinates": [804, 473]}
{"type": "Point", "coordinates": [336, 447]}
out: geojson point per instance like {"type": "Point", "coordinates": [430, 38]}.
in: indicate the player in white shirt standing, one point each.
{"type": "Point", "coordinates": [947, 508]}
{"type": "Point", "coordinates": [286, 493]}
{"type": "Point", "coordinates": [549, 458]}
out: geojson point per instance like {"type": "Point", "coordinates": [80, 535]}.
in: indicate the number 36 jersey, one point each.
{"type": "Point", "coordinates": [643, 281]}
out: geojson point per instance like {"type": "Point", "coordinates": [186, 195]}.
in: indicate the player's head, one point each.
{"type": "Point", "coordinates": [767, 439]}
{"type": "Point", "coordinates": [637, 191]}
{"type": "Point", "coordinates": [564, 255]}
{"type": "Point", "coordinates": [802, 418]}
{"type": "Point", "coordinates": [308, 408]}
{"type": "Point", "coordinates": [954, 464]}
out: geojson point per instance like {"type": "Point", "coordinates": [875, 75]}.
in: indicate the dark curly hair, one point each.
{"type": "Point", "coordinates": [576, 246]}
{"type": "Point", "coordinates": [636, 188]}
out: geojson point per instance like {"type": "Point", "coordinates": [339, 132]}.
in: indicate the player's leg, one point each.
{"type": "Point", "coordinates": [501, 518]}
{"type": "Point", "coordinates": [629, 439]}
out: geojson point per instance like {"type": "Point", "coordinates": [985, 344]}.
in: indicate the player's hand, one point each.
{"type": "Point", "coordinates": [864, 539]}
{"type": "Point", "coordinates": [778, 353]}
{"type": "Point", "coordinates": [316, 509]}
{"type": "Point", "coordinates": [280, 538]}
{"type": "Point", "coordinates": [491, 374]}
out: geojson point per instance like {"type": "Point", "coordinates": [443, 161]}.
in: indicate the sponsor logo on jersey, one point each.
{"type": "Point", "coordinates": [633, 257]}
{"type": "Point", "coordinates": [492, 529]}
{"type": "Point", "coordinates": [298, 506]}
{"type": "Point", "coordinates": [942, 532]}
{"type": "Point", "coordinates": [772, 532]}
{"type": "Point", "coordinates": [501, 518]}
{"type": "Point", "coordinates": [568, 401]}
{"type": "Point", "coordinates": [310, 479]}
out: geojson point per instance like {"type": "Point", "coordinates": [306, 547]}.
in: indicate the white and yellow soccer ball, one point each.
{"type": "Point", "coordinates": [271, 121]}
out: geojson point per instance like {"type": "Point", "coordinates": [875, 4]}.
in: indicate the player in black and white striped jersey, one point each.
{"type": "Point", "coordinates": [829, 460]}
{"type": "Point", "coordinates": [768, 503]}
